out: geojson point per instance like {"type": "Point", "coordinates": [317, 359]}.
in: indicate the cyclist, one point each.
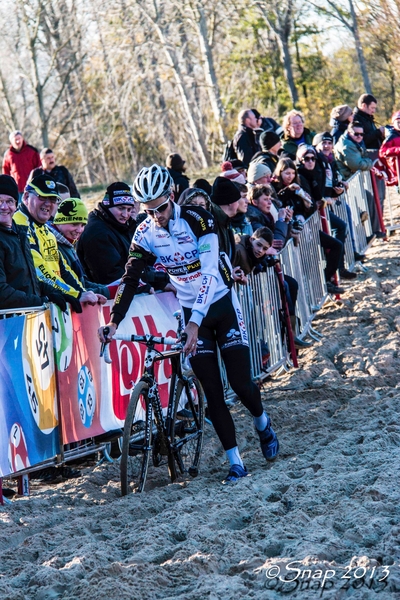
{"type": "Point", "coordinates": [184, 240]}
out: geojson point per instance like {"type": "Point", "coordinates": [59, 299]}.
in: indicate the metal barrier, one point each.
{"type": "Point", "coordinates": [261, 305]}
{"type": "Point", "coordinates": [392, 196]}
{"type": "Point", "coordinates": [340, 208]}
{"type": "Point", "coordinates": [356, 197]}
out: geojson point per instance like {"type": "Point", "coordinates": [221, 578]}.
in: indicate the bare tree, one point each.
{"type": "Point", "coordinates": [279, 19]}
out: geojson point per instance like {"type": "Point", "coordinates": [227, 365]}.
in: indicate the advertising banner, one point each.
{"type": "Point", "coordinates": [77, 349]}
{"type": "Point", "coordinates": [28, 400]}
{"type": "Point", "coordinates": [152, 314]}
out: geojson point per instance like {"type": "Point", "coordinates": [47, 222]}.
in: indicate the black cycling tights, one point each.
{"type": "Point", "coordinates": [224, 326]}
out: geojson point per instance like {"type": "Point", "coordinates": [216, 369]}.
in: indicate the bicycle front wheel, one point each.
{"type": "Point", "coordinates": [137, 440]}
{"type": "Point", "coordinates": [187, 427]}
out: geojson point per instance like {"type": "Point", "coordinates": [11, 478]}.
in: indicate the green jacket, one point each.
{"type": "Point", "coordinates": [351, 157]}
{"type": "Point", "coordinates": [289, 145]}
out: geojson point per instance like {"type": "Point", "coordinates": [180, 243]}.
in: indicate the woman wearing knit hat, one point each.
{"type": "Point", "coordinates": [68, 225]}
{"type": "Point", "coordinates": [104, 245]}
{"type": "Point", "coordinates": [341, 116]}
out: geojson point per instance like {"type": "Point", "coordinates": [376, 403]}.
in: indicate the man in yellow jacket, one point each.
{"type": "Point", "coordinates": [39, 200]}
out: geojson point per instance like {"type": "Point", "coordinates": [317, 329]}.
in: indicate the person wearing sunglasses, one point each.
{"type": "Point", "coordinates": [351, 155]}
{"type": "Point", "coordinates": [350, 152]}
{"type": "Point", "coordinates": [184, 239]}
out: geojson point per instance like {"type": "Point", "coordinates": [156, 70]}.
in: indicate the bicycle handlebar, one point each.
{"type": "Point", "coordinates": [148, 338]}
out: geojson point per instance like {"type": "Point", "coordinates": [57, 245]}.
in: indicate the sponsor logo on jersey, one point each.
{"type": "Point", "coordinates": [184, 239]}
{"type": "Point", "coordinates": [184, 269]}
{"type": "Point", "coordinates": [136, 254]}
{"type": "Point", "coordinates": [204, 248]}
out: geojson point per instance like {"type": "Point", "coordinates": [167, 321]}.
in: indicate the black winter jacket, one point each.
{"type": "Point", "coordinates": [19, 286]}
{"type": "Point", "coordinates": [373, 137]}
{"type": "Point", "coordinates": [104, 246]}
{"type": "Point", "coordinates": [181, 182]}
{"type": "Point", "coordinates": [245, 144]}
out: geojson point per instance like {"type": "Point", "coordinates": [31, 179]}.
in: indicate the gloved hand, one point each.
{"type": "Point", "coordinates": [58, 299]}
{"type": "Point", "coordinates": [75, 304]}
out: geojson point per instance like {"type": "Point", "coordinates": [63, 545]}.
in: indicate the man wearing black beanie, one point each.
{"type": "Point", "coordinates": [225, 198]}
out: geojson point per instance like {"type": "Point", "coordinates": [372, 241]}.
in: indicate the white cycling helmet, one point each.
{"type": "Point", "coordinates": [152, 183]}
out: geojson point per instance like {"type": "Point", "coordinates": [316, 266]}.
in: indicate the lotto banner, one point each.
{"type": "Point", "coordinates": [28, 403]}
{"type": "Point", "coordinates": [93, 395]}
{"type": "Point", "coordinates": [152, 314]}
{"type": "Point", "coordinates": [77, 349]}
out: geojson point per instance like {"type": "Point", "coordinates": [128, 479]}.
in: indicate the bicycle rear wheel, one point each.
{"type": "Point", "coordinates": [137, 441]}
{"type": "Point", "coordinates": [187, 427]}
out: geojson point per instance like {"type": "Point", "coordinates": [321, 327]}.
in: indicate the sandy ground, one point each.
{"type": "Point", "coordinates": [329, 502]}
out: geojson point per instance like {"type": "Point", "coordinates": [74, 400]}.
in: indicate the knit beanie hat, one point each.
{"type": "Point", "coordinates": [321, 137]}
{"type": "Point", "coordinates": [341, 113]}
{"type": "Point", "coordinates": [256, 171]}
{"type": "Point", "coordinates": [303, 150]}
{"type": "Point", "coordinates": [71, 210]}
{"type": "Point", "coordinates": [230, 173]}
{"type": "Point", "coordinates": [9, 187]}
{"type": "Point", "coordinates": [268, 139]}
{"type": "Point", "coordinates": [117, 194]}
{"type": "Point", "coordinates": [224, 192]}
{"type": "Point", "coordinates": [175, 162]}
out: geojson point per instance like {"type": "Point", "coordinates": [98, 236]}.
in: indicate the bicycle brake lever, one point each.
{"type": "Point", "coordinates": [106, 331]}
{"type": "Point", "coordinates": [183, 339]}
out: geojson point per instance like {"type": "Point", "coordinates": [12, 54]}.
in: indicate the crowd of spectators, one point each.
{"type": "Point", "coordinates": [273, 178]}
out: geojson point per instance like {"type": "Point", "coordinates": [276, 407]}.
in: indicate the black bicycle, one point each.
{"type": "Point", "coordinates": [178, 435]}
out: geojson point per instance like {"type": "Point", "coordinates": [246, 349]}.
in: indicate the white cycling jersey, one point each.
{"type": "Point", "coordinates": [189, 252]}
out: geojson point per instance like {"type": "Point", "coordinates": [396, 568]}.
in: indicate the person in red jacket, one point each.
{"type": "Point", "coordinates": [389, 152]}
{"type": "Point", "coordinates": [19, 160]}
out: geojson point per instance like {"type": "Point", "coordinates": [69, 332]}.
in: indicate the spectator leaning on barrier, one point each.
{"type": "Point", "coordinates": [224, 204]}
{"type": "Point", "coordinates": [245, 141]}
{"type": "Point", "coordinates": [294, 133]}
{"type": "Point", "coordinates": [389, 152]}
{"type": "Point", "coordinates": [350, 152]}
{"type": "Point", "coordinates": [341, 117]}
{"type": "Point", "coordinates": [364, 115]}
{"type": "Point", "coordinates": [58, 172]}
{"type": "Point", "coordinates": [19, 160]}
{"type": "Point", "coordinates": [104, 244]}
{"type": "Point", "coordinates": [39, 199]}
{"type": "Point", "coordinates": [19, 285]}
{"type": "Point", "coordinates": [333, 184]}
{"type": "Point", "coordinates": [313, 179]}
{"type": "Point", "coordinates": [67, 226]}
{"type": "Point", "coordinates": [176, 168]}
{"type": "Point", "coordinates": [259, 214]}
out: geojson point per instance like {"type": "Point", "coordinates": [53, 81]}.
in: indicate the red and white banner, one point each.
{"type": "Point", "coordinates": [151, 314]}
